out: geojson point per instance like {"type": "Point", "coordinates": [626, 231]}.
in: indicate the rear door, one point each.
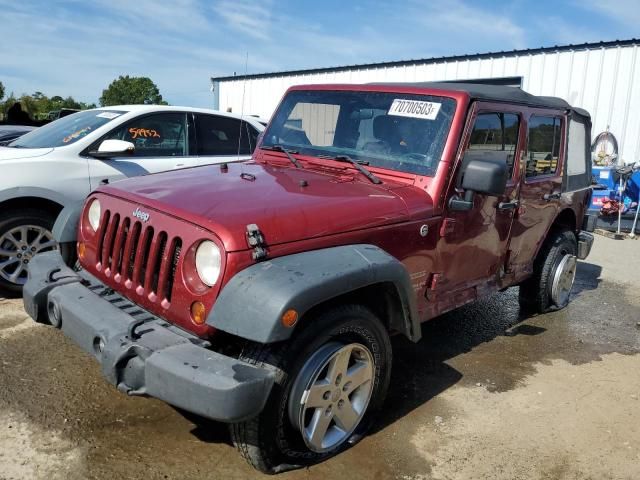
{"type": "Point", "coordinates": [474, 243]}
{"type": "Point", "coordinates": [161, 144]}
{"type": "Point", "coordinates": [223, 139]}
{"type": "Point", "coordinates": [541, 190]}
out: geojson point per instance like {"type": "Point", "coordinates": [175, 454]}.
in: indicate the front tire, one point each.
{"type": "Point", "coordinates": [332, 377]}
{"type": "Point", "coordinates": [554, 270]}
{"type": "Point", "coordinates": [23, 234]}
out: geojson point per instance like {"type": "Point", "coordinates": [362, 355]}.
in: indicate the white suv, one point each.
{"type": "Point", "coordinates": [56, 166]}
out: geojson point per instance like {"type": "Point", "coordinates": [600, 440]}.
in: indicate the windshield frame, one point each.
{"type": "Point", "coordinates": [63, 133]}
{"type": "Point", "coordinates": [354, 99]}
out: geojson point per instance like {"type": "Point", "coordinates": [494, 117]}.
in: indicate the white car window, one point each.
{"type": "Point", "coordinates": [156, 135]}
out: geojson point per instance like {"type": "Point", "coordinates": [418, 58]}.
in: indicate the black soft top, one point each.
{"type": "Point", "coordinates": [496, 93]}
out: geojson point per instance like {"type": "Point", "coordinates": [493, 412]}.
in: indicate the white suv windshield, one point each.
{"type": "Point", "coordinates": [403, 132]}
{"type": "Point", "coordinates": [66, 130]}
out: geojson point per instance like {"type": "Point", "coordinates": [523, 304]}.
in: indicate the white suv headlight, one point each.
{"type": "Point", "coordinates": [208, 262]}
{"type": "Point", "coordinates": [93, 215]}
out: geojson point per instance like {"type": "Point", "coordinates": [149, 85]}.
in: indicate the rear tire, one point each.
{"type": "Point", "coordinates": [298, 428]}
{"type": "Point", "coordinates": [553, 273]}
{"type": "Point", "coordinates": [23, 234]}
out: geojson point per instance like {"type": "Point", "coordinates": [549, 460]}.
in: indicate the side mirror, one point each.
{"type": "Point", "coordinates": [113, 148]}
{"type": "Point", "coordinates": [480, 176]}
{"type": "Point", "coordinates": [485, 177]}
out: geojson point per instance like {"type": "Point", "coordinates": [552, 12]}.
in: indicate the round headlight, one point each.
{"type": "Point", "coordinates": [93, 215]}
{"type": "Point", "coordinates": [208, 262]}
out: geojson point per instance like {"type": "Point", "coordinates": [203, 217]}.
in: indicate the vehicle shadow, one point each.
{"type": "Point", "coordinates": [587, 278]}
{"type": "Point", "coordinates": [7, 295]}
{"type": "Point", "coordinates": [421, 370]}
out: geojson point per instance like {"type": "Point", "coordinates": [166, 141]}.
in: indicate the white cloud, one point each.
{"type": "Point", "coordinates": [172, 15]}
{"type": "Point", "coordinates": [246, 17]}
{"type": "Point", "coordinates": [472, 26]}
{"type": "Point", "coordinates": [71, 55]}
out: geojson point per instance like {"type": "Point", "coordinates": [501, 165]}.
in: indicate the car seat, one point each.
{"type": "Point", "coordinates": [387, 135]}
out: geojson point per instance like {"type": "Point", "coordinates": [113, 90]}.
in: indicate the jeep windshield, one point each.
{"type": "Point", "coordinates": [66, 130]}
{"type": "Point", "coordinates": [397, 131]}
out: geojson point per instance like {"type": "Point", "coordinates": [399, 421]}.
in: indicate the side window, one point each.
{"type": "Point", "coordinates": [545, 135]}
{"type": "Point", "coordinates": [218, 135]}
{"type": "Point", "coordinates": [496, 132]}
{"type": "Point", "coordinates": [157, 135]}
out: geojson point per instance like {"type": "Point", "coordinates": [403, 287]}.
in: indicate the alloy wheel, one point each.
{"type": "Point", "coordinates": [331, 394]}
{"type": "Point", "coordinates": [563, 279]}
{"type": "Point", "coordinates": [17, 248]}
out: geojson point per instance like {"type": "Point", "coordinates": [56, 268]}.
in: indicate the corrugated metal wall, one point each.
{"type": "Point", "coordinates": [601, 80]}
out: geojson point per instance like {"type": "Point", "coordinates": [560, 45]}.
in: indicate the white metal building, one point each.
{"type": "Point", "coordinates": [603, 78]}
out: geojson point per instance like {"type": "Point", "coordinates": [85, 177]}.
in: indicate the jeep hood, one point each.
{"type": "Point", "coordinates": [287, 204]}
{"type": "Point", "coordinates": [10, 153]}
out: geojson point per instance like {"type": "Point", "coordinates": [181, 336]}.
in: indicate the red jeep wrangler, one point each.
{"type": "Point", "coordinates": [263, 294]}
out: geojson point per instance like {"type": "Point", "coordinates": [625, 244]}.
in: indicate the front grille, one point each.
{"type": "Point", "coordinates": [137, 256]}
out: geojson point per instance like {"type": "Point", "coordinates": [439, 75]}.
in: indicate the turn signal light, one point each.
{"type": "Point", "coordinates": [289, 318]}
{"type": "Point", "coordinates": [82, 250]}
{"type": "Point", "coordinates": [198, 313]}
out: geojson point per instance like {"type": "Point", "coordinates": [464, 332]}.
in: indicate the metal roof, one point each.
{"type": "Point", "coordinates": [401, 63]}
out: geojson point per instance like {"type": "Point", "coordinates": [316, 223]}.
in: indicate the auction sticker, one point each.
{"type": "Point", "coordinates": [415, 109]}
{"type": "Point", "coordinates": [109, 115]}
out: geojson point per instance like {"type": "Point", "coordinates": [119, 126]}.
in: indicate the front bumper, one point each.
{"type": "Point", "coordinates": [140, 353]}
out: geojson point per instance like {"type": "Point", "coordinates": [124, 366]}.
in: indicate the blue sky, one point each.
{"type": "Point", "coordinates": [76, 47]}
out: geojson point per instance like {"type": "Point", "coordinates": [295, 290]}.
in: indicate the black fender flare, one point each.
{"type": "Point", "coordinates": [252, 303]}
{"type": "Point", "coordinates": [66, 227]}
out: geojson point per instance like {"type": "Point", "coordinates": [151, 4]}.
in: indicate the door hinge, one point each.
{"type": "Point", "coordinates": [448, 226]}
{"type": "Point", "coordinates": [255, 239]}
{"type": "Point", "coordinates": [432, 284]}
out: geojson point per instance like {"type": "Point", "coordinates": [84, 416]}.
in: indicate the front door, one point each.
{"type": "Point", "coordinates": [473, 244]}
{"type": "Point", "coordinates": [161, 143]}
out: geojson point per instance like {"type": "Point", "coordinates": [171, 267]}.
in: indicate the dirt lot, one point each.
{"type": "Point", "coordinates": [487, 393]}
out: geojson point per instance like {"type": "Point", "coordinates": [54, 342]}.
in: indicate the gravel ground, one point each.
{"type": "Point", "coordinates": [487, 393]}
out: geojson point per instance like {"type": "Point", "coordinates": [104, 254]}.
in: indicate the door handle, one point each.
{"type": "Point", "coordinates": [507, 206]}
{"type": "Point", "coordinates": [551, 196]}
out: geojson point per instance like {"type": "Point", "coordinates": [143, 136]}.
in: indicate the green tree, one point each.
{"type": "Point", "coordinates": [1, 91]}
{"type": "Point", "coordinates": [126, 90]}
{"type": "Point", "coordinates": [38, 105]}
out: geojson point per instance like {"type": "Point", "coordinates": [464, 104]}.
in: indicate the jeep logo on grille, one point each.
{"type": "Point", "coordinates": [144, 216]}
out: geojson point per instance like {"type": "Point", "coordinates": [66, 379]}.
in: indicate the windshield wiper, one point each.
{"type": "Point", "coordinates": [359, 167]}
{"type": "Point", "coordinates": [280, 148]}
